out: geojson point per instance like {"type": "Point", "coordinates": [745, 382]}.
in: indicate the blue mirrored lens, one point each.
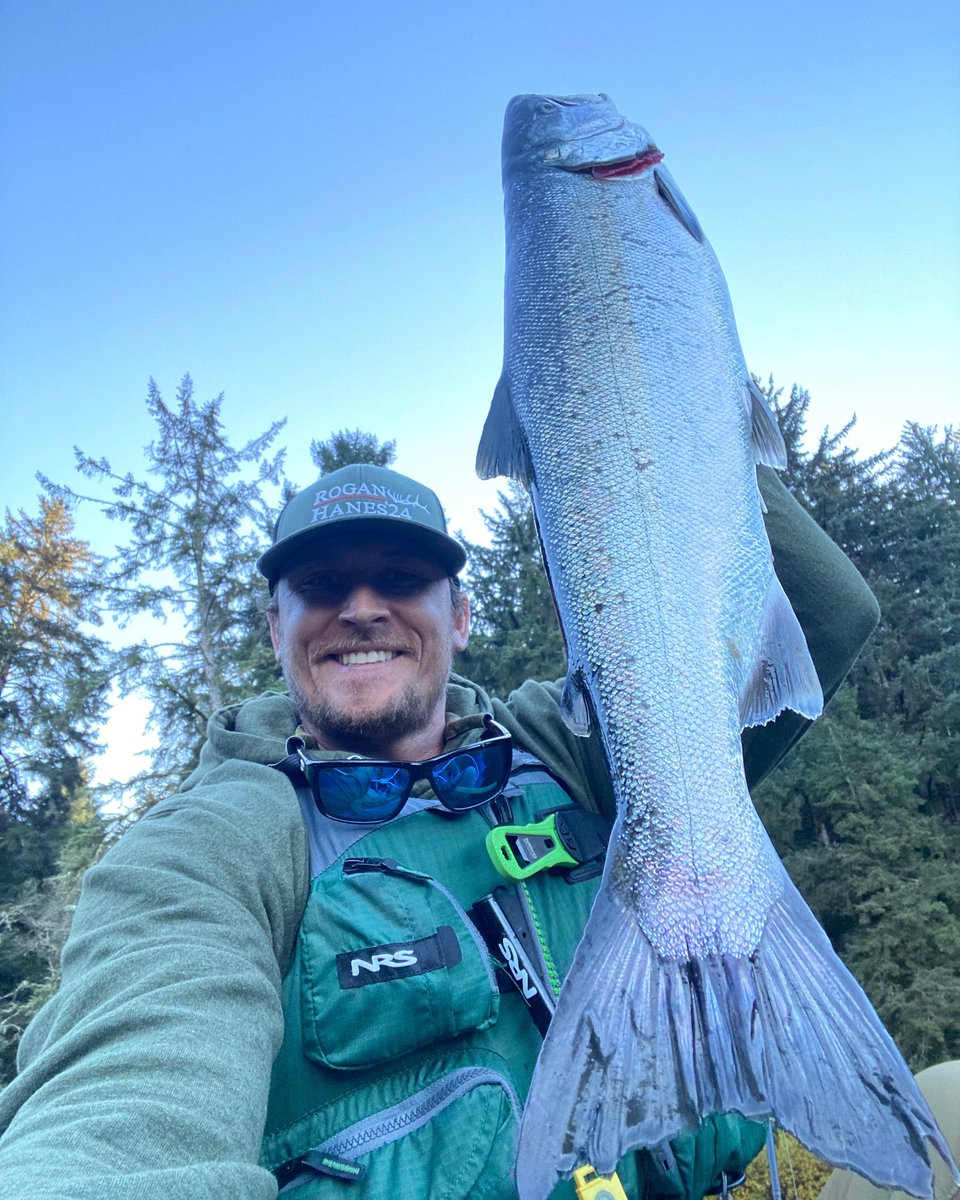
{"type": "Point", "coordinates": [472, 777]}
{"type": "Point", "coordinates": [355, 792]}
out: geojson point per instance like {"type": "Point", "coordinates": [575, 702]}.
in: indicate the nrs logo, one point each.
{"type": "Point", "coordinates": [399, 960]}
{"type": "Point", "coordinates": [402, 958]}
{"type": "Point", "coordinates": [517, 969]}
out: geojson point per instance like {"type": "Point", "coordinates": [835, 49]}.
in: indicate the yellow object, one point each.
{"type": "Point", "coordinates": [591, 1186]}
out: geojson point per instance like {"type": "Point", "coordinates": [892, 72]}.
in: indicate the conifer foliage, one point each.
{"type": "Point", "coordinates": [349, 446]}
{"type": "Point", "coordinates": [54, 676]}
{"type": "Point", "coordinates": [515, 631]}
{"type": "Point", "coordinates": [195, 525]}
{"type": "Point", "coordinates": [865, 811]}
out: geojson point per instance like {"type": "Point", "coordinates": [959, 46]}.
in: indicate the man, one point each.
{"type": "Point", "coordinates": [274, 978]}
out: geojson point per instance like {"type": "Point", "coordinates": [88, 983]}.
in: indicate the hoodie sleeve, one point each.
{"type": "Point", "coordinates": [147, 1074]}
{"type": "Point", "coordinates": [835, 607]}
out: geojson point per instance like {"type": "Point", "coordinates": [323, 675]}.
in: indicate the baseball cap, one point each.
{"type": "Point", "coordinates": [365, 497]}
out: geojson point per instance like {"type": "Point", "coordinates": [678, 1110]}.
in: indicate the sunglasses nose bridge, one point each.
{"type": "Point", "coordinates": [460, 780]}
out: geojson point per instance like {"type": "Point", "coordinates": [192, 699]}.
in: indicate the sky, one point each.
{"type": "Point", "coordinates": [299, 204]}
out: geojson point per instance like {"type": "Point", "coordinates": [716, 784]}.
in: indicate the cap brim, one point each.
{"type": "Point", "coordinates": [277, 561]}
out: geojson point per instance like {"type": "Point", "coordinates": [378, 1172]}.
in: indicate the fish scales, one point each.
{"type": "Point", "coordinates": [653, 479]}
{"type": "Point", "coordinates": [702, 983]}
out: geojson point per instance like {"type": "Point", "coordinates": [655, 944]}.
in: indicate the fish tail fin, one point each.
{"type": "Point", "coordinates": [643, 1047]}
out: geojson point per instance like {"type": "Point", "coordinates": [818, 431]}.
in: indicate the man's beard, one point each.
{"type": "Point", "coordinates": [407, 713]}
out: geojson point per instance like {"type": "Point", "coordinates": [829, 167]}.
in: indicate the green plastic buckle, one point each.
{"type": "Point", "coordinates": [519, 851]}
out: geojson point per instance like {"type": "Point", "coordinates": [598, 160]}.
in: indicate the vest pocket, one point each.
{"type": "Point", "coordinates": [390, 962]}
{"type": "Point", "coordinates": [453, 1138]}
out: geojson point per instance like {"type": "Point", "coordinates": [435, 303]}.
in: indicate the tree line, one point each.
{"type": "Point", "coordinates": [864, 812]}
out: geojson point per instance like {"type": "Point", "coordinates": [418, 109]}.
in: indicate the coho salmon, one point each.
{"type": "Point", "coordinates": [703, 983]}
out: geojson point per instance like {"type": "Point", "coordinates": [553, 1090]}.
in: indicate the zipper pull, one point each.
{"type": "Point", "coordinates": [386, 866]}
{"type": "Point", "coordinates": [299, 1171]}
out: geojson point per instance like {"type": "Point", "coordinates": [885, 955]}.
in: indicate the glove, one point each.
{"type": "Point", "coordinates": [690, 1166]}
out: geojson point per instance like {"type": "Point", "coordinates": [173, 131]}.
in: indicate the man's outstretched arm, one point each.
{"type": "Point", "coordinates": [147, 1074]}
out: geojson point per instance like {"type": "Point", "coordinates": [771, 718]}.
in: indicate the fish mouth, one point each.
{"type": "Point", "coordinates": [618, 168]}
{"type": "Point", "coordinates": [605, 149]}
{"type": "Point", "coordinates": [582, 133]}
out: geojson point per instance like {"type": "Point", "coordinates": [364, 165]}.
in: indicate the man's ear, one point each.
{"type": "Point", "coordinates": [273, 620]}
{"type": "Point", "coordinates": [461, 624]}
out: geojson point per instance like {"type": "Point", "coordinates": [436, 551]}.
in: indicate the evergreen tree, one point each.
{"type": "Point", "coordinates": [910, 676]}
{"type": "Point", "coordinates": [35, 913]}
{"type": "Point", "coordinates": [864, 812]}
{"type": "Point", "coordinates": [54, 678]}
{"type": "Point", "coordinates": [195, 531]}
{"type": "Point", "coordinates": [54, 671]}
{"type": "Point", "coordinates": [515, 634]}
{"type": "Point", "coordinates": [878, 868]}
{"type": "Point", "coordinates": [352, 446]}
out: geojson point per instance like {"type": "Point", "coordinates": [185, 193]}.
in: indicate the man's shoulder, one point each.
{"type": "Point", "coordinates": [533, 705]}
{"type": "Point", "coordinates": [252, 731]}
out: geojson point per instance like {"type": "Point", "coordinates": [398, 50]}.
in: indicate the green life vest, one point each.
{"type": "Point", "coordinates": [403, 1067]}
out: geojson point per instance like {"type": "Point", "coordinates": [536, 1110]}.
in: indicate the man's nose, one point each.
{"type": "Point", "coordinates": [363, 604]}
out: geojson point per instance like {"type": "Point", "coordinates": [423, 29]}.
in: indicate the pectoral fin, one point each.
{"type": "Point", "coordinates": [503, 446]}
{"type": "Point", "coordinates": [667, 187]}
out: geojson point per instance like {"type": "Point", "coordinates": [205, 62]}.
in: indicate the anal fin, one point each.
{"type": "Point", "coordinates": [784, 675]}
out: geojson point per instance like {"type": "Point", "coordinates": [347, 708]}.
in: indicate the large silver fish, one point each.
{"type": "Point", "coordinates": [703, 983]}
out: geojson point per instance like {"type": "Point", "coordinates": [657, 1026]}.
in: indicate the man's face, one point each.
{"type": "Point", "coordinates": [366, 632]}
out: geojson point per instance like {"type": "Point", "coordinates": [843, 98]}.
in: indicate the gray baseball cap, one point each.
{"type": "Point", "coordinates": [370, 498]}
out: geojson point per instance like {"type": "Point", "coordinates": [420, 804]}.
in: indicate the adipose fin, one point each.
{"type": "Point", "coordinates": [573, 704]}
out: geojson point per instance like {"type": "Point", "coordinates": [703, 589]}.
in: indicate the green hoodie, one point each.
{"type": "Point", "coordinates": [147, 1075]}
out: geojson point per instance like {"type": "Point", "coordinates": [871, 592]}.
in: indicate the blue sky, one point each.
{"type": "Point", "coordinates": [299, 203]}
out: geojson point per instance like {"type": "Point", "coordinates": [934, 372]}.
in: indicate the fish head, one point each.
{"type": "Point", "coordinates": [573, 133]}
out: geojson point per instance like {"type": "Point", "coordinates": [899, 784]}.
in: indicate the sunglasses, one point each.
{"type": "Point", "coordinates": [365, 791]}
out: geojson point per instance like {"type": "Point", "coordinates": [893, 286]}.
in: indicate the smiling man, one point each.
{"type": "Point", "coordinates": [365, 627]}
{"type": "Point", "coordinates": [325, 965]}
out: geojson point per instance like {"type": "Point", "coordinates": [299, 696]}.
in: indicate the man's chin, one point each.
{"type": "Point", "coordinates": [342, 723]}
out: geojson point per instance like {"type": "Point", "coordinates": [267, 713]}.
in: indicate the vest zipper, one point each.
{"type": "Point", "coordinates": [387, 866]}
{"type": "Point", "coordinates": [373, 1133]}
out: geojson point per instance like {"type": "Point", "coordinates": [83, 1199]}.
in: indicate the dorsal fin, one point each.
{"type": "Point", "coordinates": [503, 446]}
